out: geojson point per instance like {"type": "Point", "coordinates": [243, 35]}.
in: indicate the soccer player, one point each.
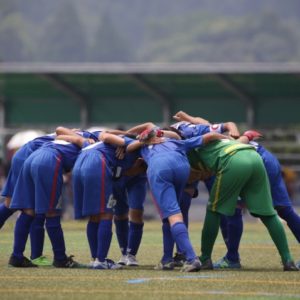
{"type": "Point", "coordinates": [92, 186]}
{"type": "Point", "coordinates": [239, 171]}
{"type": "Point", "coordinates": [37, 192]}
{"type": "Point", "coordinates": [167, 172]}
{"type": "Point", "coordinates": [37, 231]}
{"type": "Point", "coordinates": [130, 194]}
{"type": "Point", "coordinates": [232, 226]}
{"type": "Point", "coordinates": [188, 127]}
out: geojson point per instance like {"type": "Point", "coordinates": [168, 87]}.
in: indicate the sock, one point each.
{"type": "Point", "coordinates": [37, 236]}
{"type": "Point", "coordinates": [209, 234]}
{"type": "Point", "coordinates": [278, 236]}
{"type": "Point", "coordinates": [134, 237]}
{"type": "Point", "coordinates": [104, 239]}
{"type": "Point", "coordinates": [122, 230]}
{"type": "Point", "coordinates": [234, 235]}
{"type": "Point", "coordinates": [168, 242]}
{"type": "Point", "coordinates": [292, 219]}
{"type": "Point", "coordinates": [181, 237]}
{"type": "Point", "coordinates": [92, 236]}
{"type": "Point", "coordinates": [56, 237]}
{"type": "Point", "coordinates": [5, 213]}
{"type": "Point", "coordinates": [224, 228]}
{"type": "Point", "coordinates": [185, 204]}
{"type": "Point", "coordinates": [22, 229]}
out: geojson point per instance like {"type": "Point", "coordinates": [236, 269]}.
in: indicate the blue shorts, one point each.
{"type": "Point", "coordinates": [279, 192]}
{"type": "Point", "coordinates": [167, 176]}
{"type": "Point", "coordinates": [40, 182]}
{"type": "Point", "coordinates": [129, 192]}
{"type": "Point", "coordinates": [15, 168]}
{"type": "Point", "coordinates": [92, 185]}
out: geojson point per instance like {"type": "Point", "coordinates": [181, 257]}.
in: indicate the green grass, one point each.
{"type": "Point", "coordinates": [261, 277]}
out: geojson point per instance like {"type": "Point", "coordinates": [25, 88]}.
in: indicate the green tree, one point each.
{"type": "Point", "coordinates": [64, 38]}
{"type": "Point", "coordinates": [109, 44]}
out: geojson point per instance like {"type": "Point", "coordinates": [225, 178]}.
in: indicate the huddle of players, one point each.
{"type": "Point", "coordinates": [109, 163]}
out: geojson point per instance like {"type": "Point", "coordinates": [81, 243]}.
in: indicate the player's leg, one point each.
{"type": "Point", "coordinates": [37, 236]}
{"type": "Point", "coordinates": [136, 188]}
{"type": "Point", "coordinates": [257, 195]}
{"type": "Point", "coordinates": [232, 230]}
{"type": "Point", "coordinates": [21, 233]}
{"type": "Point", "coordinates": [92, 236]}
{"type": "Point", "coordinates": [5, 211]}
{"type": "Point", "coordinates": [292, 219]}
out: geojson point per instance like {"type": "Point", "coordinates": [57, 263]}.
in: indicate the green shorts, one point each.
{"type": "Point", "coordinates": [244, 175]}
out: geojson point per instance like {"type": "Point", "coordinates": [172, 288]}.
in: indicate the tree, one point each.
{"type": "Point", "coordinates": [64, 39]}
{"type": "Point", "coordinates": [109, 44]}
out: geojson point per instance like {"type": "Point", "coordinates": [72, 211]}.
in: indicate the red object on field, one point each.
{"type": "Point", "coordinates": [252, 134]}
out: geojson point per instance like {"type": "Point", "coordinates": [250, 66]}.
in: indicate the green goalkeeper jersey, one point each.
{"type": "Point", "coordinates": [214, 155]}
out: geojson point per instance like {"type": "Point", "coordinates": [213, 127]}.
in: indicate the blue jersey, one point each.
{"type": "Point", "coordinates": [188, 130]}
{"type": "Point", "coordinates": [92, 179]}
{"type": "Point", "coordinates": [168, 172]}
{"type": "Point", "coordinates": [18, 160]}
{"type": "Point", "coordinates": [170, 145]}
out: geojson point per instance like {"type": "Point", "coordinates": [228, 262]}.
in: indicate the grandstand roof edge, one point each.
{"type": "Point", "coordinates": [148, 68]}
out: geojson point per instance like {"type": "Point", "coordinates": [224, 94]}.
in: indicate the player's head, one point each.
{"type": "Point", "coordinates": [149, 134]}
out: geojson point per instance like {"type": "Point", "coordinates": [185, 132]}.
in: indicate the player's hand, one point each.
{"type": "Point", "coordinates": [179, 116]}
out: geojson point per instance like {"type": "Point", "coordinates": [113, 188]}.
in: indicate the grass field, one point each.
{"type": "Point", "coordinates": [261, 277]}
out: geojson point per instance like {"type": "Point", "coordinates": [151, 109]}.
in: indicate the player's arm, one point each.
{"type": "Point", "coordinates": [140, 128]}
{"type": "Point", "coordinates": [75, 139]}
{"type": "Point", "coordinates": [213, 136]}
{"type": "Point", "coordinates": [112, 139]}
{"type": "Point", "coordinates": [134, 146]}
{"type": "Point", "coordinates": [60, 130]}
{"type": "Point", "coordinates": [232, 129]}
{"type": "Point", "coordinates": [183, 116]}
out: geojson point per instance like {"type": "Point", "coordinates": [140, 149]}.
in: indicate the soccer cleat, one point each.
{"type": "Point", "coordinates": [225, 263]}
{"type": "Point", "coordinates": [68, 263]}
{"type": "Point", "coordinates": [290, 266]}
{"type": "Point", "coordinates": [207, 264]}
{"type": "Point", "coordinates": [41, 261]}
{"type": "Point", "coordinates": [23, 262]}
{"type": "Point", "coordinates": [107, 264]}
{"type": "Point", "coordinates": [123, 260]}
{"type": "Point", "coordinates": [168, 266]}
{"type": "Point", "coordinates": [132, 261]}
{"type": "Point", "coordinates": [179, 259]}
{"type": "Point", "coordinates": [193, 266]}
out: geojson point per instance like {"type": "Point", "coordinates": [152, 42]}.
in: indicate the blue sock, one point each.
{"type": "Point", "coordinates": [104, 239]}
{"type": "Point", "coordinates": [181, 237]}
{"type": "Point", "coordinates": [185, 204]}
{"type": "Point", "coordinates": [37, 236]}
{"type": "Point", "coordinates": [5, 213]}
{"type": "Point", "coordinates": [292, 219]}
{"type": "Point", "coordinates": [122, 234]}
{"type": "Point", "coordinates": [168, 242]}
{"type": "Point", "coordinates": [56, 237]}
{"type": "Point", "coordinates": [234, 235]}
{"type": "Point", "coordinates": [224, 228]}
{"type": "Point", "coordinates": [134, 237]}
{"type": "Point", "coordinates": [92, 236]}
{"type": "Point", "coordinates": [22, 229]}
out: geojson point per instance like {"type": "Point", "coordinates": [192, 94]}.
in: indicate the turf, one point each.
{"type": "Point", "coordinates": [261, 277]}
